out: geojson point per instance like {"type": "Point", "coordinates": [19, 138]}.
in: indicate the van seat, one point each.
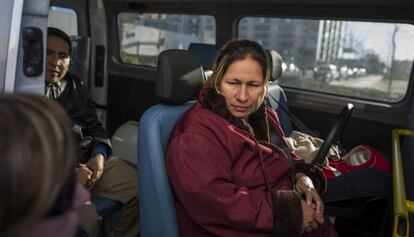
{"type": "Point", "coordinates": [124, 146]}
{"type": "Point", "coordinates": [276, 97]}
{"type": "Point", "coordinates": [124, 142]}
{"type": "Point", "coordinates": [179, 78]}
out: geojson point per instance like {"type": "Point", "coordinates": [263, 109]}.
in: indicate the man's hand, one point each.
{"type": "Point", "coordinates": [96, 164]}
{"type": "Point", "coordinates": [83, 174]}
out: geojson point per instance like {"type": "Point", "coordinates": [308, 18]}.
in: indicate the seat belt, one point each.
{"type": "Point", "coordinates": [278, 141]}
{"type": "Point", "coordinates": [295, 120]}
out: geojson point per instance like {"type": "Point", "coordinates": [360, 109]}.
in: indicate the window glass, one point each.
{"type": "Point", "coordinates": [144, 36]}
{"type": "Point", "coordinates": [65, 19]}
{"type": "Point", "coordinates": [370, 60]}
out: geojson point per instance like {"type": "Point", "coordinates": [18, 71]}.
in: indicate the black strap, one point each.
{"type": "Point", "coordinates": [278, 141]}
{"type": "Point", "coordinates": [295, 120]}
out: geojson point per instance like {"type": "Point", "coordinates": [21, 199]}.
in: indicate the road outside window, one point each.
{"type": "Point", "coordinates": [369, 60]}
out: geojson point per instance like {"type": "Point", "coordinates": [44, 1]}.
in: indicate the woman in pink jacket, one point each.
{"type": "Point", "coordinates": [228, 177]}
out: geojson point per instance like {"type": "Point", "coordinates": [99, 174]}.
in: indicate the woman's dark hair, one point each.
{"type": "Point", "coordinates": [60, 34]}
{"type": "Point", "coordinates": [238, 49]}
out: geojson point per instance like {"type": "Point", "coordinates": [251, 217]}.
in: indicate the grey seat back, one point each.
{"type": "Point", "coordinates": [124, 142]}
{"type": "Point", "coordinates": [276, 96]}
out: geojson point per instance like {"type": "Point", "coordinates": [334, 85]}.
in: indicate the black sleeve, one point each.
{"type": "Point", "coordinates": [91, 126]}
{"type": "Point", "coordinates": [78, 103]}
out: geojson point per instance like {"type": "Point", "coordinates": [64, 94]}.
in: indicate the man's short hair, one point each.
{"type": "Point", "coordinates": [60, 34]}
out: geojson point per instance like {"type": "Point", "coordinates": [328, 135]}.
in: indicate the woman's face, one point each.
{"type": "Point", "coordinates": [243, 86]}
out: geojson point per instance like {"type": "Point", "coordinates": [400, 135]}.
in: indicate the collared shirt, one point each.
{"type": "Point", "coordinates": [55, 89]}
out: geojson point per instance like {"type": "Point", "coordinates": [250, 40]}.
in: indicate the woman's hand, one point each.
{"type": "Point", "coordinates": [309, 222]}
{"type": "Point", "coordinates": [305, 186]}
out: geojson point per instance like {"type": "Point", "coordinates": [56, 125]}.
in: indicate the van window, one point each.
{"type": "Point", "coordinates": [369, 60]}
{"type": "Point", "coordinates": [143, 36]}
{"type": "Point", "coordinates": [65, 19]}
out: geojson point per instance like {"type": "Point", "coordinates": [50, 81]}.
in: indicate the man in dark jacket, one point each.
{"type": "Point", "coordinates": [107, 178]}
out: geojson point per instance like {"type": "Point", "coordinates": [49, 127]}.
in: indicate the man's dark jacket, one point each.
{"type": "Point", "coordinates": [89, 131]}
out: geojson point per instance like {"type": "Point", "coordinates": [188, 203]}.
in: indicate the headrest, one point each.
{"type": "Point", "coordinates": [179, 76]}
{"type": "Point", "coordinates": [205, 52]}
{"type": "Point", "coordinates": [276, 62]}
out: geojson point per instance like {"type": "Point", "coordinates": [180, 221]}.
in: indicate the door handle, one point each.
{"type": "Point", "coordinates": [33, 51]}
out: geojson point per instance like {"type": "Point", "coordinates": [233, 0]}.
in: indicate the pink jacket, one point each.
{"type": "Point", "coordinates": [218, 181]}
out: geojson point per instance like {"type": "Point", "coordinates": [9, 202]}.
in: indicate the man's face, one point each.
{"type": "Point", "coordinates": [58, 58]}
